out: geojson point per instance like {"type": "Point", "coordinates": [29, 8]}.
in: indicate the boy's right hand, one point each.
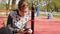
{"type": "Point", "coordinates": [21, 31]}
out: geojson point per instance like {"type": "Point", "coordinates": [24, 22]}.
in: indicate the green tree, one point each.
{"type": "Point", "coordinates": [3, 4]}
{"type": "Point", "coordinates": [8, 5]}
{"type": "Point", "coordinates": [54, 4]}
{"type": "Point", "coordinates": [13, 4]}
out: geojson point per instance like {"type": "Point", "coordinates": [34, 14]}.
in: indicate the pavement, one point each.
{"type": "Point", "coordinates": [42, 25]}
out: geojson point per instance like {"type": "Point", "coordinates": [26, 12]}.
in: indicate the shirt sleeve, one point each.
{"type": "Point", "coordinates": [9, 20]}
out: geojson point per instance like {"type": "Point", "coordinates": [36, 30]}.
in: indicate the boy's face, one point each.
{"type": "Point", "coordinates": [23, 12]}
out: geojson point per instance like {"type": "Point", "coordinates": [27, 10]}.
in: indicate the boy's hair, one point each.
{"type": "Point", "coordinates": [22, 4]}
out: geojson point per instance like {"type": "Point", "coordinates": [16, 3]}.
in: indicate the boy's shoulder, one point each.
{"type": "Point", "coordinates": [13, 12]}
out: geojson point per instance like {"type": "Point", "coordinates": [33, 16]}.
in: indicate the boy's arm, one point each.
{"type": "Point", "coordinates": [9, 20]}
{"type": "Point", "coordinates": [9, 24]}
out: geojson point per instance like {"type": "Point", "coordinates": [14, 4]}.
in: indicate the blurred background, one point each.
{"type": "Point", "coordinates": [6, 6]}
{"type": "Point", "coordinates": [42, 25]}
{"type": "Point", "coordinates": [45, 6]}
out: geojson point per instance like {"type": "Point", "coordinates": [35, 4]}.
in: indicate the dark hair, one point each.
{"type": "Point", "coordinates": [22, 4]}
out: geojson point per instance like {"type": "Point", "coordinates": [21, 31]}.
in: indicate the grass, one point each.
{"type": "Point", "coordinates": [41, 15]}
{"type": "Point", "coordinates": [53, 15]}
{"type": "Point", "coordinates": [56, 16]}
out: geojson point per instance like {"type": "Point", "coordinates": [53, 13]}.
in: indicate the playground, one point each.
{"type": "Point", "coordinates": [42, 25]}
{"type": "Point", "coordinates": [47, 20]}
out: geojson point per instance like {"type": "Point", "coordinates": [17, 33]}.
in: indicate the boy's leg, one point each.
{"type": "Point", "coordinates": [5, 30]}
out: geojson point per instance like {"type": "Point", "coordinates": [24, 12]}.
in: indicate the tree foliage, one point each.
{"type": "Point", "coordinates": [50, 4]}
{"type": "Point", "coordinates": [13, 4]}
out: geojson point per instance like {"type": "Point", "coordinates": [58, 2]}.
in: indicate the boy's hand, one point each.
{"type": "Point", "coordinates": [21, 31]}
